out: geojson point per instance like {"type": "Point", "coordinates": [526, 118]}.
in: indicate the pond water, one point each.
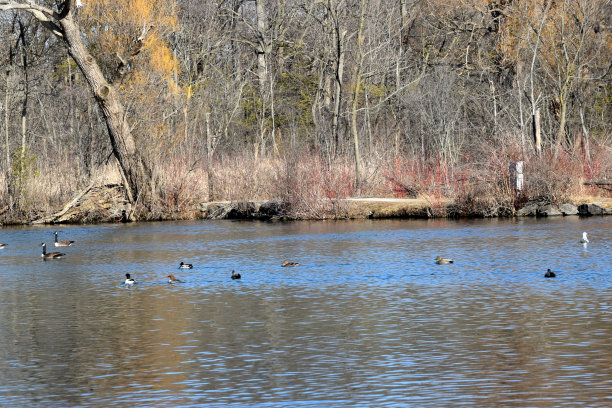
{"type": "Point", "coordinates": [367, 318]}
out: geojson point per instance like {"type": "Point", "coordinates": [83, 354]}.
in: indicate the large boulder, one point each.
{"type": "Point", "coordinates": [568, 209]}
{"type": "Point", "coordinates": [271, 209]}
{"type": "Point", "coordinates": [592, 209]}
{"type": "Point", "coordinates": [529, 209]}
{"type": "Point", "coordinates": [548, 210]}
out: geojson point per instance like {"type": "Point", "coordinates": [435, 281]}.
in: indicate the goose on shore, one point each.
{"type": "Point", "coordinates": [62, 243]}
{"type": "Point", "coordinates": [183, 265]}
{"type": "Point", "coordinates": [172, 279]}
{"type": "Point", "coordinates": [129, 280]}
{"type": "Point", "coordinates": [443, 261]}
{"type": "Point", "coordinates": [584, 238]}
{"type": "Point", "coordinates": [50, 255]}
{"type": "Point", "coordinates": [287, 263]}
{"type": "Point", "coordinates": [549, 274]}
{"type": "Point", "coordinates": [235, 275]}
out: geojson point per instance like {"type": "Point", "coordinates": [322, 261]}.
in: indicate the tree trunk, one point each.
{"type": "Point", "coordinates": [356, 92]}
{"type": "Point", "coordinates": [339, 73]}
{"type": "Point", "coordinates": [132, 167]}
{"type": "Point", "coordinates": [209, 153]}
{"type": "Point", "coordinates": [122, 142]}
{"type": "Point", "coordinates": [537, 138]}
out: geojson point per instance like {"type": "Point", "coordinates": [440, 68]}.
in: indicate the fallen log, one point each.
{"type": "Point", "coordinates": [604, 184]}
{"type": "Point", "coordinates": [67, 208]}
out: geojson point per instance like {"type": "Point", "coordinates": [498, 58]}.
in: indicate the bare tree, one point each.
{"type": "Point", "coordinates": [67, 30]}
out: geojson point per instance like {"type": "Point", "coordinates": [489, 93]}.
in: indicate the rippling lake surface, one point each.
{"type": "Point", "coordinates": [367, 318]}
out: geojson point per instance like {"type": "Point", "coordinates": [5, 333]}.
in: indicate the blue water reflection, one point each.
{"type": "Point", "coordinates": [367, 319]}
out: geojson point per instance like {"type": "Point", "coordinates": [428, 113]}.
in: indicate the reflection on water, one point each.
{"type": "Point", "coordinates": [367, 319]}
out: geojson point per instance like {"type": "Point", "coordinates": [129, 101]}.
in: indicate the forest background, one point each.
{"type": "Point", "coordinates": [302, 101]}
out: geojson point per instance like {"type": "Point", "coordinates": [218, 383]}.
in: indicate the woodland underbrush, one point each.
{"type": "Point", "coordinates": [313, 187]}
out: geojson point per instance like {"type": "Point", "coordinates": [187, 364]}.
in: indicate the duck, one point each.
{"type": "Point", "coordinates": [129, 280]}
{"type": "Point", "coordinates": [287, 263]}
{"type": "Point", "coordinates": [2, 246]}
{"type": "Point", "coordinates": [172, 279]}
{"type": "Point", "coordinates": [443, 261]}
{"type": "Point", "coordinates": [183, 265]}
{"type": "Point", "coordinates": [584, 238]}
{"type": "Point", "coordinates": [62, 243]}
{"type": "Point", "coordinates": [50, 255]}
{"type": "Point", "coordinates": [549, 274]}
{"type": "Point", "coordinates": [235, 275]}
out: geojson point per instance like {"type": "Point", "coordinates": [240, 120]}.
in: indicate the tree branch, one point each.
{"type": "Point", "coordinates": [44, 15]}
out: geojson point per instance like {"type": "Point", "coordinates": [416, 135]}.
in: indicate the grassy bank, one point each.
{"type": "Point", "coordinates": [315, 188]}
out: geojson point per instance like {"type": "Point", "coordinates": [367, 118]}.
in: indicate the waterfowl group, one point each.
{"type": "Point", "coordinates": [50, 255]}
{"type": "Point", "coordinates": [172, 279]}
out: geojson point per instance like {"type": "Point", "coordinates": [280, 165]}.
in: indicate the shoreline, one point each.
{"type": "Point", "coordinates": [106, 204]}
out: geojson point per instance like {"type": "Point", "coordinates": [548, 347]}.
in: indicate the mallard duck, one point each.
{"type": "Point", "coordinates": [443, 261]}
{"type": "Point", "coordinates": [50, 255]}
{"type": "Point", "coordinates": [287, 263]}
{"type": "Point", "coordinates": [235, 275]}
{"type": "Point", "coordinates": [549, 274]}
{"type": "Point", "coordinates": [183, 265]}
{"type": "Point", "coordinates": [62, 243]}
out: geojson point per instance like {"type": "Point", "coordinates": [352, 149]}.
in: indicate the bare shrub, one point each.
{"type": "Point", "coordinates": [312, 189]}
{"type": "Point", "coordinates": [556, 179]}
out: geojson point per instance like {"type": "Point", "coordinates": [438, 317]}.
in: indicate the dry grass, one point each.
{"type": "Point", "coordinates": [313, 188]}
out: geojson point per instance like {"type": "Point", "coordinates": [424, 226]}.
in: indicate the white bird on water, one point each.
{"type": "Point", "coordinates": [584, 239]}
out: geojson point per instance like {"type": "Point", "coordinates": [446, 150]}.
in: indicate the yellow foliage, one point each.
{"type": "Point", "coordinates": [136, 32]}
{"type": "Point", "coordinates": [114, 27]}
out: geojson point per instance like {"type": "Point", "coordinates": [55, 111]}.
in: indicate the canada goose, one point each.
{"type": "Point", "coordinates": [549, 274]}
{"type": "Point", "coordinates": [185, 266]}
{"type": "Point", "coordinates": [235, 275]}
{"type": "Point", "coordinates": [584, 238]}
{"type": "Point", "coordinates": [2, 246]}
{"type": "Point", "coordinates": [50, 255]}
{"type": "Point", "coordinates": [129, 280]}
{"type": "Point", "coordinates": [443, 261]}
{"type": "Point", "coordinates": [287, 263]}
{"type": "Point", "coordinates": [172, 279]}
{"type": "Point", "coordinates": [62, 243]}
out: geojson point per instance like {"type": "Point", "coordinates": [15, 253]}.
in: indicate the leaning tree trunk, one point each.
{"type": "Point", "coordinates": [124, 148]}
{"type": "Point", "coordinates": [133, 169]}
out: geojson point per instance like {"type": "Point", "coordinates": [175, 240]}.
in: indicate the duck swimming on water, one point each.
{"type": "Point", "coordinates": [549, 274]}
{"type": "Point", "coordinates": [584, 238]}
{"type": "Point", "coordinates": [235, 275]}
{"type": "Point", "coordinates": [172, 279]}
{"type": "Point", "coordinates": [443, 261]}
{"type": "Point", "coordinates": [183, 265]}
{"type": "Point", "coordinates": [129, 280]}
{"type": "Point", "coordinates": [287, 263]}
